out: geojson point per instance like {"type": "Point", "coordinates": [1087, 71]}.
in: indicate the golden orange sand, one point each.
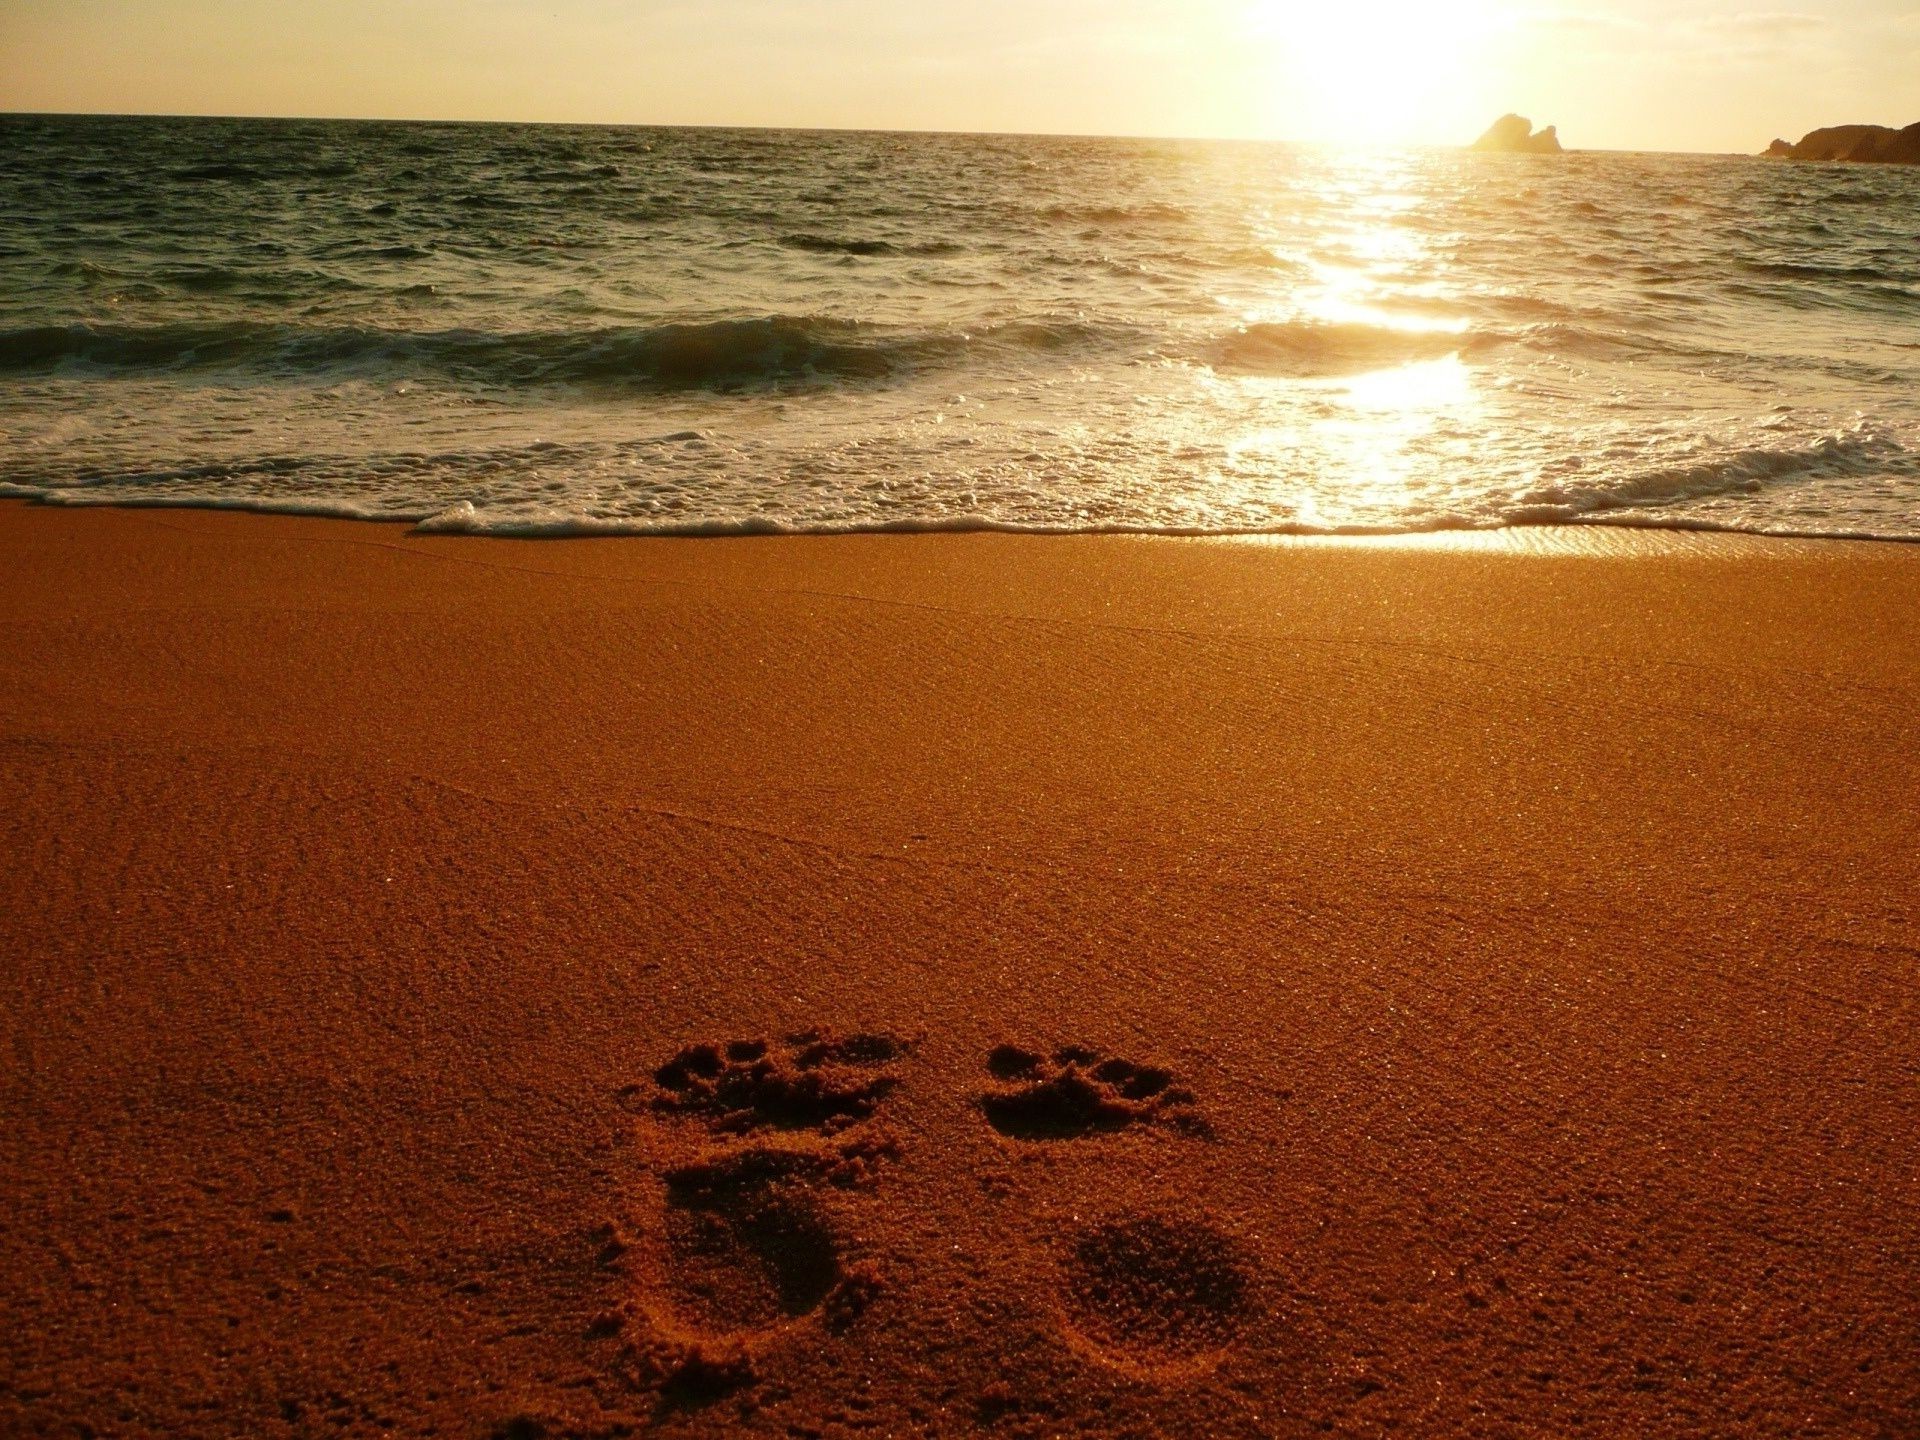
{"type": "Point", "coordinates": [953, 985]}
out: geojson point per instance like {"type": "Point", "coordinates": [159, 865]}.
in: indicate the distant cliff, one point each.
{"type": "Point", "coordinates": [1515, 135]}
{"type": "Point", "coordinates": [1864, 144]}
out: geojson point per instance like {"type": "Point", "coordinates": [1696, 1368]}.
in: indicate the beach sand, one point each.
{"type": "Point", "coordinates": [956, 985]}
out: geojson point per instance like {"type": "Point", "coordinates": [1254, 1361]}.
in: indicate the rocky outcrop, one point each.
{"type": "Point", "coordinates": [1515, 135]}
{"type": "Point", "coordinates": [1860, 144]}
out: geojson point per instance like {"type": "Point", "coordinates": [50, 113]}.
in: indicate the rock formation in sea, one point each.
{"type": "Point", "coordinates": [1515, 135]}
{"type": "Point", "coordinates": [1864, 144]}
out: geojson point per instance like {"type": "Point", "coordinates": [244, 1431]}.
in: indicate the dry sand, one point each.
{"type": "Point", "coordinates": [954, 985]}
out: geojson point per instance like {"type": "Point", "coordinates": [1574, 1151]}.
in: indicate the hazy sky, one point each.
{"type": "Point", "coordinates": [1639, 74]}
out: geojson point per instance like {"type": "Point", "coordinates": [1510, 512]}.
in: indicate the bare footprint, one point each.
{"type": "Point", "coordinates": [1076, 1092]}
{"type": "Point", "coordinates": [749, 1241]}
{"type": "Point", "coordinates": [1157, 1298]}
{"type": "Point", "coordinates": [1163, 1298]}
{"type": "Point", "coordinates": [741, 1247]}
{"type": "Point", "coordinates": [809, 1081]}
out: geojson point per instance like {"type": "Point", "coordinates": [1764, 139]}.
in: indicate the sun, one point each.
{"type": "Point", "coordinates": [1370, 72]}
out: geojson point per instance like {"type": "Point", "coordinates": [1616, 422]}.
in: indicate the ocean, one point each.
{"type": "Point", "coordinates": [552, 330]}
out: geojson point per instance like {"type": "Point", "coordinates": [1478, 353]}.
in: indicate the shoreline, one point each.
{"type": "Point", "coordinates": [589, 529]}
{"type": "Point", "coordinates": [1508, 944]}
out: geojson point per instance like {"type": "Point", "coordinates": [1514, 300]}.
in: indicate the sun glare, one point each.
{"type": "Point", "coordinates": [1369, 72]}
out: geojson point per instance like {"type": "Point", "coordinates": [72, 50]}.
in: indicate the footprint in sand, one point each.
{"type": "Point", "coordinates": [741, 1247]}
{"type": "Point", "coordinates": [811, 1081]}
{"type": "Point", "coordinates": [1159, 1298]}
{"type": "Point", "coordinates": [1076, 1092]}
{"type": "Point", "coordinates": [1162, 1298]}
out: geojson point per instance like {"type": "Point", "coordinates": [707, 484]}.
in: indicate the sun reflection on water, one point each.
{"type": "Point", "coordinates": [1378, 431]}
{"type": "Point", "coordinates": [1380, 392]}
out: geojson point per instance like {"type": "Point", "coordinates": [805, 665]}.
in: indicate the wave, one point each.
{"type": "Point", "coordinates": [549, 175]}
{"type": "Point", "coordinates": [1118, 217]}
{"type": "Point", "coordinates": [1859, 450]}
{"type": "Point", "coordinates": [1790, 270]}
{"type": "Point", "coordinates": [827, 245]}
{"type": "Point", "coordinates": [202, 279]}
{"type": "Point", "coordinates": [720, 355]}
{"type": "Point", "coordinates": [511, 490]}
{"type": "Point", "coordinates": [558, 523]}
{"type": "Point", "coordinates": [1559, 337]}
{"type": "Point", "coordinates": [1244, 257]}
{"type": "Point", "coordinates": [732, 354]}
{"type": "Point", "coordinates": [822, 245]}
{"type": "Point", "coordinates": [715, 355]}
{"type": "Point", "coordinates": [1306, 348]}
{"type": "Point", "coordinates": [465, 518]}
{"type": "Point", "coordinates": [220, 170]}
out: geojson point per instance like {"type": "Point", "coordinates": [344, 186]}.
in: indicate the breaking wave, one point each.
{"type": "Point", "coordinates": [1858, 451]}
{"type": "Point", "coordinates": [718, 355]}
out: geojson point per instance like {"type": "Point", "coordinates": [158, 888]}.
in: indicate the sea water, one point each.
{"type": "Point", "coordinates": [556, 330]}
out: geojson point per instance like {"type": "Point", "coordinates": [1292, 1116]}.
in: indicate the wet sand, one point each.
{"type": "Point", "coordinates": [956, 985]}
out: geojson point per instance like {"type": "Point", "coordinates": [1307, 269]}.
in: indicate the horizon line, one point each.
{"type": "Point", "coordinates": [827, 129]}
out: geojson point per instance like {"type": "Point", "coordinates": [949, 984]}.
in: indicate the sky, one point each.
{"type": "Point", "coordinates": [1611, 74]}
